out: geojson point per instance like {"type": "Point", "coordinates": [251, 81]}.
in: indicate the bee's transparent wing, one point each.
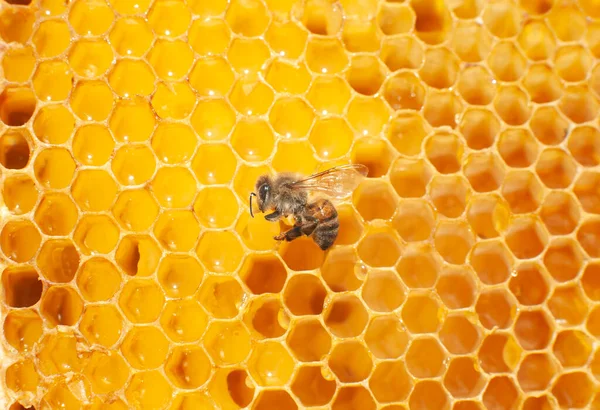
{"type": "Point", "coordinates": [336, 182]}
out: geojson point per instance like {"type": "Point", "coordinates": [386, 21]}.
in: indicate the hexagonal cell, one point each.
{"type": "Point", "coordinates": [495, 309]}
{"type": "Point", "coordinates": [173, 101]}
{"type": "Point", "coordinates": [54, 124]}
{"type": "Point", "coordinates": [101, 324]}
{"type": "Point", "coordinates": [58, 260]}
{"type": "Point", "coordinates": [301, 254]}
{"type": "Point", "coordinates": [90, 18]}
{"type": "Point", "coordinates": [61, 395]}
{"type": "Point", "coordinates": [291, 117]}
{"type": "Point", "coordinates": [341, 270]}
{"type": "Point", "coordinates": [227, 342]}
{"type": "Point", "coordinates": [537, 41]}
{"type": "Point", "coordinates": [132, 121]}
{"type": "Point", "coordinates": [492, 262]}
{"type": "Point", "coordinates": [526, 237]}
{"type": "Point", "coordinates": [421, 313]}
{"type": "Point", "coordinates": [584, 146]}
{"type": "Point", "coordinates": [499, 353]}
{"type": "Point", "coordinates": [188, 367]}
{"type": "Point", "coordinates": [171, 60]}
{"type": "Point", "coordinates": [18, 64]}
{"type": "Point", "coordinates": [270, 364]}
{"type": "Point", "coordinates": [517, 147]}
{"type": "Point", "coordinates": [459, 335]}
{"type": "Point", "coordinates": [572, 348]}
{"type": "Point", "coordinates": [419, 266]}
{"type": "Point", "coordinates": [350, 361]}
{"type": "Point", "coordinates": [209, 36]}
{"type": "Point", "coordinates": [183, 320]}
{"type": "Point", "coordinates": [528, 284]}
{"type": "Point", "coordinates": [533, 330]}
{"type": "Point", "coordinates": [476, 85]}
{"type": "Point", "coordinates": [20, 240]}
{"type": "Point", "coordinates": [22, 329]}
{"type": "Point", "coordinates": [227, 387]}
{"type": "Point", "coordinates": [329, 95]}
{"type": "Point", "coordinates": [428, 394]}
{"type": "Point", "coordinates": [130, 78]}
{"type": "Point", "coordinates": [92, 100]}
{"type": "Point", "coordinates": [484, 171]}
{"type": "Point", "coordinates": [425, 358]}
{"type": "Point", "coordinates": [169, 18]}
{"type": "Point", "coordinates": [542, 84]}
{"type": "Point", "coordinates": [94, 190]}
{"type": "Point", "coordinates": [590, 281]}
{"type": "Point", "coordinates": [538, 402]}
{"type": "Point", "coordinates": [274, 399]}
{"type": "Point", "coordinates": [21, 376]}
{"type": "Point", "coordinates": [512, 105]}
{"type": "Point", "coordinates": [179, 275]}
{"type": "Point", "coordinates": [107, 372]}
{"type": "Point", "coordinates": [361, 35]}
{"type": "Point", "coordinates": [17, 105]}
{"type": "Point", "coordinates": [463, 378]}
{"type": "Point", "coordinates": [93, 144]}
{"type": "Point", "coordinates": [563, 259]}
{"type": "Point", "coordinates": [141, 300]}
{"type": "Point", "coordinates": [390, 382]}
{"type": "Point", "coordinates": [331, 138]}
{"type": "Point", "coordinates": [135, 210]}
{"type": "Point", "coordinates": [471, 41]}
{"type": "Point", "coordinates": [53, 167]}
{"type": "Point", "coordinates": [453, 241]}
{"type": "Point", "coordinates": [548, 126]}
{"type": "Point", "coordinates": [374, 153]}
{"type": "Point", "coordinates": [479, 127]}
{"type": "Point", "coordinates": [593, 322]}
{"type": "Point", "coordinates": [216, 207]}
{"type": "Point", "coordinates": [59, 354]}
{"type": "Point", "coordinates": [174, 187]}
{"type": "Point", "coordinates": [149, 389]}
{"type": "Point", "coordinates": [253, 140]}
{"type": "Point", "coordinates": [294, 156]}
{"type": "Point", "coordinates": [386, 338]}
{"type": "Point", "coordinates": [375, 200]}
{"type": "Point", "coordinates": [404, 91]}
{"type": "Point", "coordinates": [214, 164]}
{"type": "Point", "coordinates": [248, 55]}
{"type": "Point", "coordinates": [400, 52]}
{"type": "Point", "coordinates": [588, 237]}
{"type": "Point", "coordinates": [560, 213]}
{"type": "Point", "coordinates": [556, 168]}
{"type": "Point", "coordinates": [61, 305]}
{"type": "Point", "coordinates": [266, 317]}
{"type": "Point", "coordinates": [177, 231]}
{"type": "Point", "coordinates": [130, 36]}
{"type": "Point", "coordinates": [308, 340]}
{"type": "Point", "coordinates": [365, 75]}
{"type": "Point", "coordinates": [263, 274]}
{"type": "Point", "coordinates": [572, 63]}
{"type": "Point", "coordinates": [346, 316]}
{"type": "Point", "coordinates": [288, 78]}
{"type": "Point", "coordinates": [211, 76]}
{"type": "Point", "coordinates": [56, 214]}
{"type": "Point", "coordinates": [573, 390]}
{"type": "Point", "coordinates": [311, 387]}
{"type": "Point", "coordinates": [410, 177]}
{"type": "Point", "coordinates": [138, 255]}
{"type": "Point", "coordinates": [52, 81]}
{"type": "Point", "coordinates": [229, 253]}
{"type": "Point", "coordinates": [568, 305]}
{"type": "Point", "coordinates": [456, 287]}
{"type": "Point", "coordinates": [415, 220]}
{"type": "Point", "coordinates": [500, 393]}
{"type": "Point", "coordinates": [442, 108]}
{"type": "Point", "coordinates": [536, 372]}
{"type": "Point", "coordinates": [444, 151]}
{"type": "Point", "coordinates": [51, 38]}
{"type": "Point", "coordinates": [221, 296]}
{"type": "Point", "coordinates": [449, 194]}
{"type": "Point", "coordinates": [578, 104]}
{"type": "Point", "coordinates": [380, 247]}
{"type": "Point", "coordinates": [586, 189]}
{"type": "Point", "coordinates": [98, 279]}
{"type": "Point", "coordinates": [20, 194]}
{"type": "Point", "coordinates": [145, 347]}
{"type": "Point", "coordinates": [325, 55]}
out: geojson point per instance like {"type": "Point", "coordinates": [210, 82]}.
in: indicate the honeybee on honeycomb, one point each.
{"type": "Point", "coordinates": [289, 194]}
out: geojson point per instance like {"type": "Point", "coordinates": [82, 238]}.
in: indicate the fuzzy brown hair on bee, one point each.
{"type": "Point", "coordinates": [287, 194]}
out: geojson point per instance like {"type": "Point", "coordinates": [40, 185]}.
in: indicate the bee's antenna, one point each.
{"type": "Point", "coordinates": [250, 199]}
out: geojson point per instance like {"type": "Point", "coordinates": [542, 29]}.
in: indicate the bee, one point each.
{"type": "Point", "coordinates": [288, 194]}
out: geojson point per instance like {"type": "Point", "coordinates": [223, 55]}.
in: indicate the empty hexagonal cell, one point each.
{"type": "Point", "coordinates": [227, 387]}
{"type": "Point", "coordinates": [177, 231]}
{"type": "Point", "coordinates": [479, 127]}
{"type": "Point", "coordinates": [449, 194]}
{"type": "Point", "coordinates": [270, 364]}
{"type": "Point", "coordinates": [549, 127]}
{"type": "Point", "coordinates": [145, 347]}
{"type": "Point", "coordinates": [556, 169]}
{"type": "Point", "coordinates": [17, 105]}
{"type": "Point", "coordinates": [375, 154]}
{"type": "Point", "coordinates": [414, 220]}
{"type": "Point", "coordinates": [301, 254]}
{"type": "Point", "coordinates": [512, 105]}
{"type": "Point", "coordinates": [390, 382]}
{"type": "Point", "coordinates": [517, 147]}
{"type": "Point", "coordinates": [131, 36]}
{"type": "Point", "coordinates": [453, 241]}
{"type": "Point", "coordinates": [488, 215]}
{"type": "Point", "coordinates": [442, 108]}
{"type": "Point", "coordinates": [350, 362]}
{"type": "Point", "coordinates": [463, 378]}
{"type": "Point", "coordinates": [568, 305]}
{"type": "Point", "coordinates": [61, 305]}
{"type": "Point", "coordinates": [148, 389]}
{"type": "Point", "coordinates": [444, 151]}
{"type": "Point", "coordinates": [263, 274]}
{"type": "Point", "coordinates": [22, 286]}
{"type": "Point", "coordinates": [572, 348]}
{"type": "Point", "coordinates": [578, 104]}
{"type": "Point", "coordinates": [183, 320]}
{"type": "Point", "coordinates": [573, 390]}
{"type": "Point", "coordinates": [308, 340]}
{"type": "Point", "coordinates": [311, 387]}
{"type": "Point", "coordinates": [346, 316]}
{"type": "Point", "coordinates": [169, 18]}
{"type": "Point", "coordinates": [440, 68]}
{"type": "Point", "coordinates": [495, 309]}
{"type": "Point", "coordinates": [220, 251]}
{"type": "Point", "coordinates": [375, 200]}
{"type": "Point", "coordinates": [538, 402]}
{"type": "Point", "coordinates": [563, 259]}
{"type": "Point", "coordinates": [98, 279]}
{"type": "Point", "coordinates": [499, 353]}
{"type": "Point", "coordinates": [543, 85]}
{"type": "Point", "coordinates": [52, 81]}
{"type": "Point", "coordinates": [428, 394]}
{"type": "Point", "coordinates": [560, 213]}
{"type": "Point", "coordinates": [586, 189]}
{"type": "Point", "coordinates": [22, 329]}
{"type": "Point", "coordinates": [92, 100]}
{"type": "Point", "coordinates": [500, 393]}
{"type": "Point", "coordinates": [533, 330]}
{"type": "Point", "coordinates": [20, 240]}
{"type": "Point", "coordinates": [419, 266]}
{"type": "Point", "coordinates": [341, 270]}
{"type": "Point", "coordinates": [404, 91]}
{"type": "Point", "coordinates": [386, 338]}
{"type": "Point", "coordinates": [267, 317]}
{"type": "Point", "coordinates": [132, 78]}
{"type": "Point", "coordinates": [583, 145]}
{"type": "Point", "coordinates": [54, 124]}
{"type": "Point", "coordinates": [141, 300]}
{"type": "Point", "coordinates": [421, 313]}
{"type": "Point", "coordinates": [590, 281]}
{"type": "Point", "coordinates": [228, 342]}
{"type": "Point", "coordinates": [459, 335]}
{"type": "Point", "coordinates": [526, 237]}
{"type": "Point", "coordinates": [269, 399]}
{"type": "Point", "coordinates": [484, 171]}
{"type": "Point", "coordinates": [456, 287]}
{"type": "Point", "coordinates": [536, 372]}
{"type": "Point", "coordinates": [380, 247]}
{"type": "Point", "coordinates": [471, 41]}
{"type": "Point", "coordinates": [365, 75]}
{"type": "Point", "coordinates": [492, 262]}
{"type": "Point", "coordinates": [137, 255]}
{"type": "Point", "coordinates": [410, 177]}
{"type": "Point", "coordinates": [476, 85]}
{"type": "Point", "coordinates": [528, 284]}
{"type": "Point", "coordinates": [425, 358]}
{"type": "Point", "coordinates": [588, 236]}
{"type": "Point", "coordinates": [188, 367]}
{"type": "Point", "coordinates": [221, 296]}
{"type": "Point", "coordinates": [101, 324]}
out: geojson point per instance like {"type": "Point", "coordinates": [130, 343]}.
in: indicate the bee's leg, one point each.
{"type": "Point", "coordinates": [274, 216]}
{"type": "Point", "coordinates": [290, 234]}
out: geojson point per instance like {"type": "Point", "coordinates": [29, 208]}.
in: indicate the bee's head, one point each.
{"type": "Point", "coordinates": [262, 193]}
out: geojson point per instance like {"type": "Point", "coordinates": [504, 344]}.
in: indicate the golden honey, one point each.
{"type": "Point", "coordinates": [466, 271]}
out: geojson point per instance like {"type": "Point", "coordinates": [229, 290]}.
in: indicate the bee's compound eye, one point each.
{"type": "Point", "coordinates": [263, 191]}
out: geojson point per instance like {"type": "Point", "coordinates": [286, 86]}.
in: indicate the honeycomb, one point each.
{"type": "Point", "coordinates": [466, 273]}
